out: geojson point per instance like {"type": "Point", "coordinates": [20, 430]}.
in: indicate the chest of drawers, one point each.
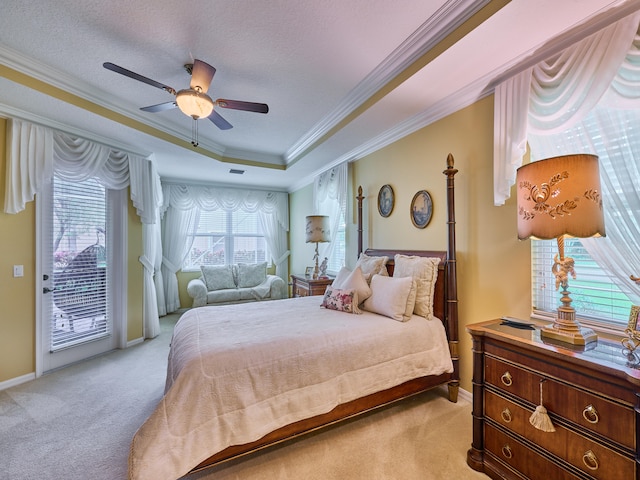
{"type": "Point", "coordinates": [592, 396]}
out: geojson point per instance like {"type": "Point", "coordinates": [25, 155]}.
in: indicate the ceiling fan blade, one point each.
{"type": "Point", "coordinates": [161, 107]}
{"type": "Point", "coordinates": [219, 122]}
{"type": "Point", "coordinates": [201, 75]}
{"type": "Point", "coordinates": [239, 105]}
{"type": "Point", "coordinates": [128, 73]}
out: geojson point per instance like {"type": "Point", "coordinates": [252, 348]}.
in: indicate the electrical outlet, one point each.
{"type": "Point", "coordinates": [18, 270]}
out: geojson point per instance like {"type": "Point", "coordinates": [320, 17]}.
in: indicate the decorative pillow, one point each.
{"type": "Point", "coordinates": [371, 266]}
{"type": "Point", "coordinates": [392, 297]}
{"type": "Point", "coordinates": [218, 277]}
{"type": "Point", "coordinates": [424, 270]}
{"type": "Point", "coordinates": [251, 274]}
{"type": "Point", "coordinates": [347, 280]}
{"type": "Point", "coordinates": [341, 300]}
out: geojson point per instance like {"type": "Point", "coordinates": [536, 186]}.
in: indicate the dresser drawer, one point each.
{"type": "Point", "coordinates": [587, 455]}
{"type": "Point", "coordinates": [594, 413]}
{"type": "Point", "coordinates": [520, 457]}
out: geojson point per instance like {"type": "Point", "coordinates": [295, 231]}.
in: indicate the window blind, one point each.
{"type": "Point", "coordinates": [80, 268]}
{"type": "Point", "coordinates": [227, 237]}
{"type": "Point", "coordinates": [595, 296]}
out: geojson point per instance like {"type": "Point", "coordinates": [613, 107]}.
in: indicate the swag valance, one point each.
{"type": "Point", "coordinates": [189, 197]}
{"type": "Point", "coordinates": [555, 94]}
{"type": "Point", "coordinates": [35, 152]}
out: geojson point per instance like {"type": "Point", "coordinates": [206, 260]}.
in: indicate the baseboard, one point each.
{"type": "Point", "coordinates": [12, 382]}
{"type": "Point", "coordinates": [464, 395]}
{"type": "Point", "coordinates": [135, 342]}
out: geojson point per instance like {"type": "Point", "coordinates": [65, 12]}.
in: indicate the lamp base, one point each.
{"type": "Point", "coordinates": [566, 329]}
{"type": "Point", "coordinates": [582, 336]}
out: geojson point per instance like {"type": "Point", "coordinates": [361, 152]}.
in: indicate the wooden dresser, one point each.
{"type": "Point", "coordinates": [303, 286]}
{"type": "Point", "coordinates": [592, 396]}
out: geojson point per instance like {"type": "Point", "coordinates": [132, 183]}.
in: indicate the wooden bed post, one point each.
{"type": "Point", "coordinates": [359, 198]}
{"type": "Point", "coordinates": [452, 289]}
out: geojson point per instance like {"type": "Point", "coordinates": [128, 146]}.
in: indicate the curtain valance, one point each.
{"type": "Point", "coordinates": [187, 197]}
{"type": "Point", "coordinates": [36, 152]}
{"type": "Point", "coordinates": [557, 93]}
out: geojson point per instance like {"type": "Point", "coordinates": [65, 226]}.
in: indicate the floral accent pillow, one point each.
{"type": "Point", "coordinates": [341, 300]}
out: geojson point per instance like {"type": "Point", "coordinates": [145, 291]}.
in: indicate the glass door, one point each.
{"type": "Point", "coordinates": [75, 315]}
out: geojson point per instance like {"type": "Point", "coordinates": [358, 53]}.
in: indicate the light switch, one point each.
{"type": "Point", "coordinates": [18, 270]}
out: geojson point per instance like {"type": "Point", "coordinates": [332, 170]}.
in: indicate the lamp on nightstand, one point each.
{"type": "Point", "coordinates": [317, 231]}
{"type": "Point", "coordinates": [560, 197]}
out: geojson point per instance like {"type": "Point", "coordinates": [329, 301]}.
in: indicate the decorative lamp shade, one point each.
{"type": "Point", "coordinates": [560, 196]}
{"type": "Point", "coordinates": [317, 228]}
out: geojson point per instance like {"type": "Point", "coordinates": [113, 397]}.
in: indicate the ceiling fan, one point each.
{"type": "Point", "coordinates": [193, 101]}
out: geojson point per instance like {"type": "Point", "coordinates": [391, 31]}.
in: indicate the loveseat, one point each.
{"type": "Point", "coordinates": [243, 282]}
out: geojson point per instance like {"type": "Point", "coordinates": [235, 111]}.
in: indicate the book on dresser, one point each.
{"type": "Point", "coordinates": [591, 396]}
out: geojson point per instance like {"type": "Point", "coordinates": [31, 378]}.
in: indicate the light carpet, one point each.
{"type": "Point", "coordinates": [76, 423]}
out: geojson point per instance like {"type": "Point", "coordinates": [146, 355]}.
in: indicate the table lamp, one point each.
{"type": "Point", "coordinates": [317, 231]}
{"type": "Point", "coordinates": [559, 197]}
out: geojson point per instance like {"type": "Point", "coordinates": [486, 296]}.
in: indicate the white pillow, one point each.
{"type": "Point", "coordinates": [371, 266]}
{"type": "Point", "coordinates": [392, 297]}
{"type": "Point", "coordinates": [424, 271]}
{"type": "Point", "coordinates": [218, 277]}
{"type": "Point", "coordinates": [251, 274]}
{"type": "Point", "coordinates": [347, 280]}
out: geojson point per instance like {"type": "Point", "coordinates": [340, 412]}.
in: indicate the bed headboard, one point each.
{"type": "Point", "coordinates": [445, 301]}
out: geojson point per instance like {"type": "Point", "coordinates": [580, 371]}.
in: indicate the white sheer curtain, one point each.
{"type": "Point", "coordinates": [177, 224]}
{"type": "Point", "coordinates": [36, 152]}
{"type": "Point", "coordinates": [578, 102]}
{"type": "Point", "coordinates": [330, 198]}
{"type": "Point", "coordinates": [275, 227]}
{"type": "Point", "coordinates": [146, 194]}
{"type": "Point", "coordinates": [182, 204]}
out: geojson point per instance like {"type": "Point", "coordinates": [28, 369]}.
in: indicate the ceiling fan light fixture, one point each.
{"type": "Point", "coordinates": [194, 104]}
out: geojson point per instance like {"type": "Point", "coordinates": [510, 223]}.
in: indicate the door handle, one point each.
{"type": "Point", "coordinates": [47, 290]}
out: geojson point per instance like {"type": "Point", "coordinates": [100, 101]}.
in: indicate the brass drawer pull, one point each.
{"type": "Point", "coordinates": [506, 379]}
{"type": "Point", "coordinates": [506, 451]}
{"type": "Point", "coordinates": [590, 460]}
{"type": "Point", "coordinates": [506, 415]}
{"type": "Point", "coordinates": [590, 414]}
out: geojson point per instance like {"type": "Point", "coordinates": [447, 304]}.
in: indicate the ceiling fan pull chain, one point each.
{"type": "Point", "coordinates": [194, 133]}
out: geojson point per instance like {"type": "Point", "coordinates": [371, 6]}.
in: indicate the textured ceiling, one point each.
{"type": "Point", "coordinates": [341, 78]}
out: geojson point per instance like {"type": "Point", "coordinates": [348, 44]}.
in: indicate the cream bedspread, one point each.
{"type": "Point", "coordinates": [238, 372]}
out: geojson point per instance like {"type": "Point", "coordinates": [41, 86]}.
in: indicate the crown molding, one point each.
{"type": "Point", "coordinates": [449, 17]}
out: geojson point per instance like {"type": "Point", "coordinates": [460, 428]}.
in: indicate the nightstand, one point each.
{"type": "Point", "coordinates": [303, 286]}
{"type": "Point", "coordinates": [592, 396]}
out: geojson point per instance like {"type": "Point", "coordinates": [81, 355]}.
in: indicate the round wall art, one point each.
{"type": "Point", "coordinates": [421, 209]}
{"type": "Point", "coordinates": [386, 200]}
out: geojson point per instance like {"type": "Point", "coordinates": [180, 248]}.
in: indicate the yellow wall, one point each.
{"type": "Point", "coordinates": [18, 295]}
{"type": "Point", "coordinates": [493, 266]}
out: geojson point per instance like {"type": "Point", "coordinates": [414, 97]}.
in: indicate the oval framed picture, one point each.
{"type": "Point", "coordinates": [421, 209]}
{"type": "Point", "coordinates": [386, 200]}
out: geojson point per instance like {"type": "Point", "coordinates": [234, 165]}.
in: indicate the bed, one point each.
{"type": "Point", "coordinates": [243, 377]}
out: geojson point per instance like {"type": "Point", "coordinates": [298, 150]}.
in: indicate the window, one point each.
{"type": "Point", "coordinates": [339, 251]}
{"type": "Point", "coordinates": [595, 296]}
{"type": "Point", "coordinates": [226, 237]}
